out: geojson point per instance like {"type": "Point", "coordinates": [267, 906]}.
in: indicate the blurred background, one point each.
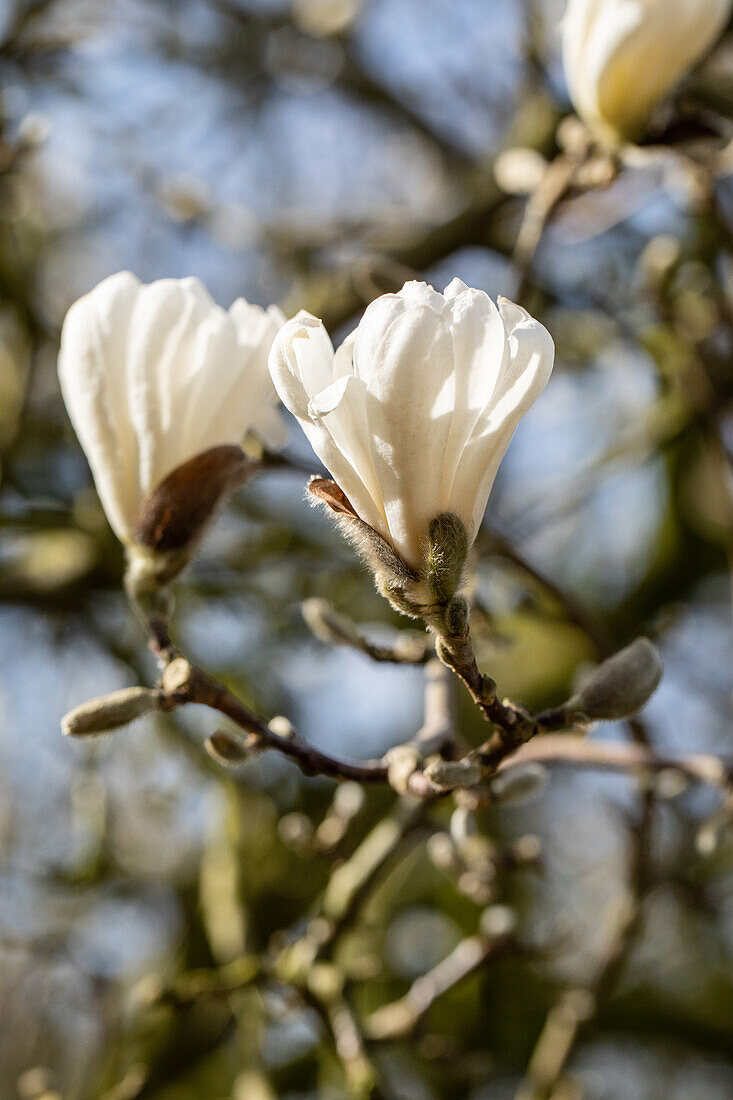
{"type": "Point", "coordinates": [317, 153]}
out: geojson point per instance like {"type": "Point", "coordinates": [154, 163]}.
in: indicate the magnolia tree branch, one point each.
{"type": "Point", "coordinates": [334, 628]}
{"type": "Point", "coordinates": [183, 683]}
{"type": "Point", "coordinates": [620, 756]}
{"type": "Point", "coordinates": [401, 1017]}
{"type": "Point", "coordinates": [425, 767]}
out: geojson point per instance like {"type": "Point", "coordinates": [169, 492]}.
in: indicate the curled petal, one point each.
{"type": "Point", "coordinates": [301, 362]}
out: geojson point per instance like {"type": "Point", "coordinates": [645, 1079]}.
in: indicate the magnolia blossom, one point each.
{"type": "Point", "coordinates": [154, 375]}
{"type": "Point", "coordinates": [414, 412]}
{"type": "Point", "coordinates": [622, 57]}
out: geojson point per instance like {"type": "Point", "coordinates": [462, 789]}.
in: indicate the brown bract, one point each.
{"type": "Point", "coordinates": [180, 507]}
{"type": "Point", "coordinates": [330, 493]}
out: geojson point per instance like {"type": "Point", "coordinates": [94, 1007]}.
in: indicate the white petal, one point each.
{"type": "Point", "coordinates": [455, 287]}
{"type": "Point", "coordinates": [343, 362]}
{"type": "Point", "coordinates": [524, 375]}
{"type": "Point", "coordinates": [320, 389]}
{"type": "Point", "coordinates": [301, 362]}
{"type": "Point", "coordinates": [340, 410]}
{"type": "Point", "coordinates": [171, 326]}
{"type": "Point", "coordinates": [403, 353]}
{"type": "Point", "coordinates": [480, 350]}
{"type": "Point", "coordinates": [416, 293]}
{"type": "Point", "coordinates": [92, 376]}
{"type": "Point", "coordinates": [251, 390]}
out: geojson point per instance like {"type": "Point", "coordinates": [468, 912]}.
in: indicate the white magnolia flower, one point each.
{"type": "Point", "coordinates": [622, 57]}
{"type": "Point", "coordinates": [153, 375]}
{"type": "Point", "coordinates": [414, 412]}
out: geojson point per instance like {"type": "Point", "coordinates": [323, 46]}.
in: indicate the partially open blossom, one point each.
{"type": "Point", "coordinates": [622, 57]}
{"type": "Point", "coordinates": [155, 375]}
{"type": "Point", "coordinates": [414, 412]}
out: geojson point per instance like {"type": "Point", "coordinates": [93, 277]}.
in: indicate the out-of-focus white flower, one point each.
{"type": "Point", "coordinates": [414, 412]}
{"type": "Point", "coordinates": [622, 57]}
{"type": "Point", "coordinates": [154, 375]}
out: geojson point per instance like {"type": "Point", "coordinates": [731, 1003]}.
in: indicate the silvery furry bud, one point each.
{"type": "Point", "coordinates": [454, 773]}
{"type": "Point", "coordinates": [620, 686]}
{"type": "Point", "coordinates": [110, 711]}
{"type": "Point", "coordinates": [178, 677]}
{"type": "Point", "coordinates": [397, 582]}
{"type": "Point", "coordinates": [445, 556]}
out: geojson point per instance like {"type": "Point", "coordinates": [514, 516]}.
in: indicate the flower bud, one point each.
{"type": "Point", "coordinates": [445, 558]}
{"type": "Point", "coordinates": [178, 677]}
{"type": "Point", "coordinates": [162, 387]}
{"type": "Point", "coordinates": [622, 57]}
{"type": "Point", "coordinates": [620, 686]}
{"type": "Point", "coordinates": [454, 773]}
{"type": "Point", "coordinates": [412, 416]}
{"type": "Point", "coordinates": [226, 749]}
{"type": "Point", "coordinates": [282, 727]}
{"type": "Point", "coordinates": [397, 582]}
{"type": "Point", "coordinates": [110, 711]}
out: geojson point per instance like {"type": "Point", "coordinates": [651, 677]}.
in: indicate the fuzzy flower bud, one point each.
{"type": "Point", "coordinates": [110, 711]}
{"type": "Point", "coordinates": [623, 57]}
{"type": "Point", "coordinates": [620, 686]}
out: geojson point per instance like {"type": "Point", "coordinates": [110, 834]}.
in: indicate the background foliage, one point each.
{"type": "Point", "coordinates": [317, 153]}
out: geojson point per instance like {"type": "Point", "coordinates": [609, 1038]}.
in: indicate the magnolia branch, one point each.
{"type": "Point", "coordinates": [398, 1019]}
{"type": "Point", "coordinates": [422, 767]}
{"type": "Point", "coordinates": [183, 683]}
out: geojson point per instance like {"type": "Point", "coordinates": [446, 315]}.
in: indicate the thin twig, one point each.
{"type": "Point", "coordinates": [398, 1019]}
{"type": "Point", "coordinates": [619, 756]}
{"type": "Point", "coordinates": [182, 683]}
